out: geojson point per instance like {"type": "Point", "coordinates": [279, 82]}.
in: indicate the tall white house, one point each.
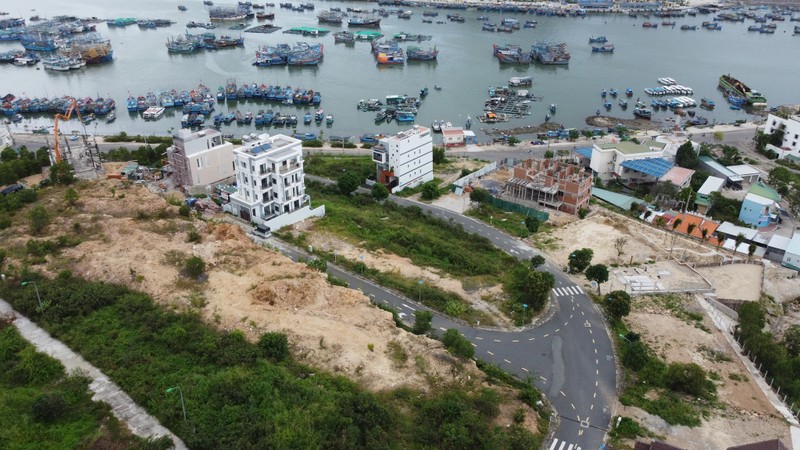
{"type": "Point", "coordinates": [200, 158]}
{"type": "Point", "coordinates": [405, 160]}
{"type": "Point", "coordinates": [5, 139]}
{"type": "Point", "coordinates": [791, 135]}
{"type": "Point", "coordinates": [270, 183]}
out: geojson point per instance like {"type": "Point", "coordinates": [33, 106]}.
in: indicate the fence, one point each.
{"type": "Point", "coordinates": [505, 205]}
{"type": "Point", "coordinates": [464, 181]}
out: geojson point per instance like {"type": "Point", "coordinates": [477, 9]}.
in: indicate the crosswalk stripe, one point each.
{"type": "Point", "coordinates": [553, 445]}
{"type": "Point", "coordinates": [563, 443]}
{"type": "Point", "coordinates": [579, 290]}
{"type": "Point", "coordinates": [561, 447]}
{"type": "Point", "coordinates": [570, 447]}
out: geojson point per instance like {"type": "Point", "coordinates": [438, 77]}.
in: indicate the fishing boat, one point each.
{"type": "Point", "coordinates": [520, 81]}
{"type": "Point", "coordinates": [423, 92]}
{"type": "Point", "coordinates": [319, 116]}
{"type": "Point", "coordinates": [553, 108]}
{"type": "Point", "coordinates": [607, 48]}
{"type": "Point", "coordinates": [752, 97]}
{"type": "Point", "coordinates": [623, 103]}
{"type": "Point", "coordinates": [549, 53]}
{"type": "Point", "coordinates": [329, 119]}
{"type": "Point", "coordinates": [707, 103]}
{"type": "Point", "coordinates": [364, 22]}
{"type": "Point", "coordinates": [307, 118]}
{"type": "Point", "coordinates": [330, 17]}
{"type": "Point", "coordinates": [607, 105]}
{"type": "Point", "coordinates": [613, 92]}
{"type": "Point", "coordinates": [344, 37]}
{"type": "Point", "coordinates": [629, 92]}
{"type": "Point", "coordinates": [391, 58]}
{"type": "Point", "coordinates": [419, 54]}
{"type": "Point", "coordinates": [643, 113]}
{"type": "Point", "coordinates": [649, 25]}
{"type": "Point", "coordinates": [111, 117]}
{"type": "Point", "coordinates": [598, 40]}
{"type": "Point", "coordinates": [181, 8]}
{"type": "Point", "coordinates": [689, 27]}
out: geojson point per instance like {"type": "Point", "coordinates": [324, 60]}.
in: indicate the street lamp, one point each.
{"type": "Point", "coordinates": [524, 312]}
{"type": "Point", "coordinates": [420, 290]}
{"type": "Point", "coordinates": [38, 297]}
{"type": "Point", "coordinates": [625, 337]}
{"type": "Point", "coordinates": [183, 405]}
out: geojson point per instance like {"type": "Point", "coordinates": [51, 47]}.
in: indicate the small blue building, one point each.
{"type": "Point", "coordinates": [758, 211]}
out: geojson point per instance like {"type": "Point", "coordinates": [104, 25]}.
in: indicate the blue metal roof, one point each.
{"type": "Point", "coordinates": [586, 152]}
{"type": "Point", "coordinates": [655, 167]}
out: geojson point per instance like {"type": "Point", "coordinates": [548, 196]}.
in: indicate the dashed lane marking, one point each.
{"type": "Point", "coordinates": [507, 361]}
{"type": "Point", "coordinates": [478, 338]}
{"type": "Point", "coordinates": [548, 334]}
{"type": "Point", "coordinates": [515, 340]}
{"type": "Point", "coordinates": [531, 339]}
{"type": "Point", "coordinates": [526, 370]}
{"type": "Point", "coordinates": [443, 328]}
{"type": "Point", "coordinates": [573, 406]}
{"type": "Point", "coordinates": [562, 393]}
{"type": "Point", "coordinates": [498, 340]}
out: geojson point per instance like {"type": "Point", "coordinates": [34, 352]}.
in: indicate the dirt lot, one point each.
{"type": "Point", "coordinates": [736, 281]}
{"type": "Point", "coordinates": [747, 417]}
{"type": "Point", "coordinates": [248, 288]}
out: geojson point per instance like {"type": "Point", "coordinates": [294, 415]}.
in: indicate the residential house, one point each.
{"type": "Point", "coordinates": [679, 176]}
{"type": "Point", "coordinates": [732, 179]}
{"type": "Point", "coordinates": [630, 162]}
{"type": "Point", "coordinates": [748, 173]}
{"type": "Point", "coordinates": [791, 133]}
{"type": "Point", "coordinates": [200, 158]}
{"type": "Point", "coordinates": [5, 139]}
{"type": "Point", "coordinates": [405, 160]}
{"type": "Point", "coordinates": [271, 183]}
{"type": "Point", "coordinates": [453, 136]}
{"type": "Point", "coordinates": [758, 211]}
{"type": "Point", "coordinates": [696, 223]}
{"type": "Point", "coordinates": [772, 444]}
{"type": "Point", "coordinates": [551, 183]}
{"type": "Point", "coordinates": [703, 197]}
{"type": "Point", "coordinates": [776, 248]}
{"type": "Point", "coordinates": [791, 257]}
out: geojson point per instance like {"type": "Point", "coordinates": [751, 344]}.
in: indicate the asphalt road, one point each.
{"type": "Point", "coordinates": [569, 356]}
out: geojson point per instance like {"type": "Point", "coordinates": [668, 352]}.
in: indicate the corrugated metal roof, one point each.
{"type": "Point", "coordinates": [586, 152]}
{"type": "Point", "coordinates": [794, 245]}
{"type": "Point", "coordinates": [773, 444]}
{"type": "Point", "coordinates": [619, 200]}
{"type": "Point", "coordinates": [655, 167]}
{"type": "Point", "coordinates": [712, 184]}
{"type": "Point", "coordinates": [765, 191]}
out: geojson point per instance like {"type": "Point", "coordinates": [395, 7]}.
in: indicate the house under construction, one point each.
{"type": "Point", "coordinates": [551, 183]}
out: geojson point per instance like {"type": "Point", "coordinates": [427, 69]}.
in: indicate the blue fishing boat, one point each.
{"type": "Point", "coordinates": [307, 118]}
{"type": "Point", "coordinates": [598, 40]}
{"type": "Point", "coordinates": [629, 92]}
{"type": "Point", "coordinates": [132, 105]}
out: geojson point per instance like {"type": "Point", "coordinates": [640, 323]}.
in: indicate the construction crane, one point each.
{"type": "Point", "coordinates": [73, 107]}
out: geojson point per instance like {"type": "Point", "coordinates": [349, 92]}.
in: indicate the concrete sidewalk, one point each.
{"type": "Point", "coordinates": [124, 408]}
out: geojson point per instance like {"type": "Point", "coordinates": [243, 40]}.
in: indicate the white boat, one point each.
{"type": "Point", "coordinates": [667, 81]}
{"type": "Point", "coordinates": [57, 64]}
{"type": "Point", "coordinates": [154, 112]}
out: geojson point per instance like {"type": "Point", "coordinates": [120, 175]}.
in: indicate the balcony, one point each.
{"type": "Point", "coordinates": [379, 155]}
{"type": "Point", "coordinates": [289, 168]}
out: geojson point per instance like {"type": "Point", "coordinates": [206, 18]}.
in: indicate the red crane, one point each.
{"type": "Point", "coordinates": [73, 107]}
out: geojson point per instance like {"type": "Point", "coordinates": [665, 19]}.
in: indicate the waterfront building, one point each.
{"type": "Point", "coordinates": [453, 136]}
{"type": "Point", "coordinates": [732, 179]}
{"type": "Point", "coordinates": [199, 159]}
{"type": "Point", "coordinates": [555, 184]}
{"type": "Point", "coordinates": [404, 160]}
{"type": "Point", "coordinates": [630, 162]}
{"type": "Point", "coordinates": [758, 211]}
{"type": "Point", "coordinates": [270, 183]}
{"type": "Point", "coordinates": [791, 135]}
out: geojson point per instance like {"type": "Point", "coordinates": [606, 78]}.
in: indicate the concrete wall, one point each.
{"type": "Point", "coordinates": [295, 216]}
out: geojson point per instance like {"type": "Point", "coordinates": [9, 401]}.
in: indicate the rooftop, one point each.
{"type": "Point", "coordinates": [714, 165]}
{"type": "Point", "coordinates": [417, 130]}
{"type": "Point", "coordinates": [712, 184]}
{"type": "Point", "coordinates": [794, 245]}
{"type": "Point", "coordinates": [765, 191]}
{"type": "Point", "coordinates": [763, 201]}
{"type": "Point", "coordinates": [731, 230]}
{"type": "Point", "coordinates": [677, 175]}
{"type": "Point", "coordinates": [656, 167]}
{"type": "Point", "coordinates": [619, 200]}
{"type": "Point", "coordinates": [779, 242]}
{"type": "Point", "coordinates": [278, 146]}
{"type": "Point", "coordinates": [744, 170]}
{"type": "Point", "coordinates": [628, 147]}
{"type": "Point", "coordinates": [773, 444]}
{"type": "Point", "coordinates": [586, 152]}
{"type": "Point", "coordinates": [186, 134]}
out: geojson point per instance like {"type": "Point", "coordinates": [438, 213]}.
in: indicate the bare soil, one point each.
{"type": "Point", "coordinates": [250, 288]}
{"type": "Point", "coordinates": [747, 415]}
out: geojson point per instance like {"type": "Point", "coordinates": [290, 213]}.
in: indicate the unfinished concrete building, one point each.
{"type": "Point", "coordinates": [550, 183]}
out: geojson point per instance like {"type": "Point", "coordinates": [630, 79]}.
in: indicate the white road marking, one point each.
{"type": "Point", "coordinates": [478, 338]}
{"type": "Point", "coordinates": [515, 340]}
{"type": "Point", "coordinates": [487, 351]}
{"type": "Point", "coordinates": [507, 361]}
{"type": "Point", "coordinates": [573, 406]}
{"type": "Point", "coordinates": [406, 306]}
{"type": "Point", "coordinates": [526, 370]}
{"type": "Point", "coordinates": [548, 334]}
{"type": "Point", "coordinates": [498, 340]}
{"type": "Point", "coordinates": [562, 393]}
{"type": "Point", "coordinates": [443, 328]}
{"type": "Point", "coordinates": [531, 339]}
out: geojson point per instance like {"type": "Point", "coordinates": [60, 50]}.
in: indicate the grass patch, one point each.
{"type": "Point", "coordinates": [236, 396]}
{"type": "Point", "coordinates": [676, 305]}
{"type": "Point", "coordinates": [41, 404]}
{"type": "Point", "coordinates": [512, 223]}
{"type": "Point", "coordinates": [331, 166]}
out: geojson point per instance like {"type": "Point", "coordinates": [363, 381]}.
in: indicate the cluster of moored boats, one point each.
{"type": "Point", "coordinates": [401, 108]}
{"type": "Point", "coordinates": [301, 54]}
{"type": "Point", "coordinates": [547, 53]}
{"type": "Point", "coordinates": [89, 108]}
{"type": "Point", "coordinates": [389, 52]}
{"type": "Point", "coordinates": [190, 43]}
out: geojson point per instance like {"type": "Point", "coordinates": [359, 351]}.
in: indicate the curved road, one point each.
{"type": "Point", "coordinates": [569, 357]}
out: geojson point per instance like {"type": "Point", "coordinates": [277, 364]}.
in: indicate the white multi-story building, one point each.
{"type": "Point", "coordinates": [5, 139]}
{"type": "Point", "coordinates": [405, 160]}
{"type": "Point", "coordinates": [791, 135]}
{"type": "Point", "coordinates": [270, 183]}
{"type": "Point", "coordinates": [200, 158]}
{"type": "Point", "coordinates": [629, 162]}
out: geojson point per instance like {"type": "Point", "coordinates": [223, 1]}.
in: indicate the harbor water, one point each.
{"type": "Point", "coordinates": [465, 67]}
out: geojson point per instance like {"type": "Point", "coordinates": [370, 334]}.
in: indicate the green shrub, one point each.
{"type": "Point", "coordinates": [49, 407]}
{"type": "Point", "coordinates": [457, 344]}
{"type": "Point", "coordinates": [39, 219]}
{"type": "Point", "coordinates": [274, 346]}
{"type": "Point", "coordinates": [194, 266]}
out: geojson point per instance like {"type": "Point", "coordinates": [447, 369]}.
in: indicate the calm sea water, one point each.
{"type": "Point", "coordinates": [465, 69]}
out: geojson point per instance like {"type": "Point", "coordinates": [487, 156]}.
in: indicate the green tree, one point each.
{"type": "Point", "coordinates": [530, 287]}
{"type": "Point", "coordinates": [457, 344]}
{"type": "Point", "coordinates": [574, 134]}
{"type": "Point", "coordinates": [618, 304]}
{"type": "Point", "coordinates": [793, 198]}
{"type": "Point", "coordinates": [719, 136]}
{"type": "Point", "coordinates": [71, 197]}
{"type": "Point", "coordinates": [61, 173]}
{"type": "Point", "coordinates": [597, 273]}
{"type": "Point", "coordinates": [583, 212]}
{"type": "Point", "coordinates": [39, 219]}
{"type": "Point", "coordinates": [194, 266]}
{"type": "Point", "coordinates": [274, 346]}
{"type": "Point", "coordinates": [49, 407]}
{"type": "Point", "coordinates": [532, 224]}
{"type": "Point", "coordinates": [430, 191]}
{"type": "Point", "coordinates": [751, 249]}
{"type": "Point", "coordinates": [537, 261]}
{"type": "Point", "coordinates": [687, 157]}
{"type": "Point", "coordinates": [422, 322]}
{"type": "Point", "coordinates": [635, 356]}
{"type": "Point", "coordinates": [480, 195]}
{"type": "Point", "coordinates": [548, 154]}
{"type": "Point", "coordinates": [347, 183]}
{"type": "Point", "coordinates": [688, 378]}
{"type": "Point", "coordinates": [513, 140]}
{"type": "Point", "coordinates": [791, 340]}
{"type": "Point", "coordinates": [380, 192]}
{"type": "Point", "coordinates": [439, 155]}
{"type": "Point", "coordinates": [739, 239]}
{"type": "Point", "coordinates": [780, 176]}
{"type": "Point", "coordinates": [580, 259]}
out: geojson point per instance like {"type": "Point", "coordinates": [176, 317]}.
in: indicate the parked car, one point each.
{"type": "Point", "coordinates": [12, 189]}
{"type": "Point", "coordinates": [261, 231]}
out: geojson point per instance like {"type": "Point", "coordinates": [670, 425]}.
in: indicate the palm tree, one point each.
{"type": "Point", "coordinates": [739, 239]}
{"type": "Point", "coordinates": [720, 238]}
{"type": "Point", "coordinates": [675, 224]}
{"type": "Point", "coordinates": [704, 233]}
{"type": "Point", "coordinates": [750, 250]}
{"type": "Point", "coordinates": [690, 228]}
